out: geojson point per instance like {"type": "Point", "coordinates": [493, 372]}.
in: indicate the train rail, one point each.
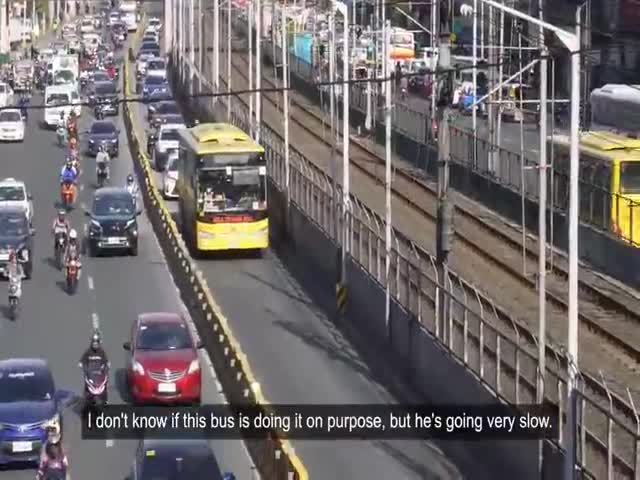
{"type": "Point", "coordinates": [611, 322]}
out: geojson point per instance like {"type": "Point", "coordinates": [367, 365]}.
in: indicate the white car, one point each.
{"type": "Point", "coordinates": [156, 67]}
{"type": "Point", "coordinates": [87, 25]}
{"type": "Point", "coordinates": [11, 125]}
{"type": "Point", "coordinates": [167, 141]}
{"type": "Point", "coordinates": [154, 24]}
{"type": "Point", "coordinates": [14, 193]}
{"type": "Point", "coordinates": [114, 17]}
{"type": "Point", "coordinates": [170, 176]}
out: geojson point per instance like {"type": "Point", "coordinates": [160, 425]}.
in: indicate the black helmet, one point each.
{"type": "Point", "coordinates": [129, 179]}
{"type": "Point", "coordinates": [95, 340]}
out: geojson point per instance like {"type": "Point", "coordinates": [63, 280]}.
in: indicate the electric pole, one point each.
{"type": "Point", "coordinates": [444, 226]}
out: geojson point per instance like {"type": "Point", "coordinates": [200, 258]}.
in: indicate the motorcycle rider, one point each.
{"type": "Point", "coordinates": [132, 187]}
{"type": "Point", "coordinates": [73, 251]}
{"type": "Point", "coordinates": [53, 455]}
{"type": "Point", "coordinates": [103, 160]}
{"type": "Point", "coordinates": [95, 352]}
{"type": "Point", "coordinates": [69, 172]}
{"type": "Point", "coordinates": [15, 272]}
{"type": "Point", "coordinates": [60, 225]}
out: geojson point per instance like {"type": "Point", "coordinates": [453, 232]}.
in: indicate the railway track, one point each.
{"type": "Point", "coordinates": [604, 317]}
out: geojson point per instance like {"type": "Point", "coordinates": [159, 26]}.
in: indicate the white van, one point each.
{"type": "Point", "coordinates": [57, 99]}
{"type": "Point", "coordinates": [129, 15]}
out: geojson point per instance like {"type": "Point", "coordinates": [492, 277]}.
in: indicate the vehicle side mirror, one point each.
{"type": "Point", "coordinates": [127, 346]}
{"type": "Point", "coordinates": [199, 345]}
{"type": "Point", "coordinates": [63, 398]}
{"type": "Point", "coordinates": [29, 196]}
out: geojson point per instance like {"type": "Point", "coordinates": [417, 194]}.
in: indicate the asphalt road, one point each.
{"type": "Point", "coordinates": [112, 292]}
{"type": "Point", "coordinates": [299, 356]}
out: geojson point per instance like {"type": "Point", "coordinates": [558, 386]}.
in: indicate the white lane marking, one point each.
{"type": "Point", "coordinates": [81, 186]}
{"type": "Point", "coordinates": [90, 282]}
{"type": "Point", "coordinates": [109, 443]}
{"type": "Point", "coordinates": [95, 321]}
{"type": "Point", "coordinates": [86, 229]}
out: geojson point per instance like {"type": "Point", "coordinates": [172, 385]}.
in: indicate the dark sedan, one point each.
{"type": "Point", "coordinates": [161, 109]}
{"type": "Point", "coordinates": [171, 459]}
{"type": "Point", "coordinates": [16, 234]}
{"type": "Point", "coordinates": [155, 88]}
{"type": "Point", "coordinates": [106, 95]}
{"type": "Point", "coordinates": [106, 134]}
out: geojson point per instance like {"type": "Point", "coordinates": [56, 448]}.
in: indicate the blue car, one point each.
{"type": "Point", "coordinates": [155, 89]}
{"type": "Point", "coordinates": [29, 404]}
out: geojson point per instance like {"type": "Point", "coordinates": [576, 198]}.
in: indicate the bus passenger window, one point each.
{"type": "Point", "coordinates": [630, 178]}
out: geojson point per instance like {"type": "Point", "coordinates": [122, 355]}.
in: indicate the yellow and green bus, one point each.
{"type": "Point", "coordinates": [222, 184]}
{"type": "Point", "coordinates": [609, 181]}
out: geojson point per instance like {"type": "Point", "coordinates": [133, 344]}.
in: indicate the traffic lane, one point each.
{"type": "Point", "coordinates": [125, 286]}
{"type": "Point", "coordinates": [53, 325]}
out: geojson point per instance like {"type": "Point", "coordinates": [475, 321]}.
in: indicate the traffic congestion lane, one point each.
{"type": "Point", "coordinates": [318, 365]}
{"type": "Point", "coordinates": [112, 291]}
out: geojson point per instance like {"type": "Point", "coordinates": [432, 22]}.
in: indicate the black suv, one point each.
{"type": "Point", "coordinates": [15, 233]}
{"type": "Point", "coordinates": [113, 224]}
{"type": "Point", "coordinates": [106, 95]}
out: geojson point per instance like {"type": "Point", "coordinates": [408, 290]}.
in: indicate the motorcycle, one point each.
{"type": "Point", "coordinates": [61, 132]}
{"type": "Point", "coordinates": [72, 276]}
{"type": "Point", "coordinates": [55, 471]}
{"type": "Point", "coordinates": [96, 378]}
{"type": "Point", "coordinates": [15, 292]}
{"type": "Point", "coordinates": [68, 195]}
{"type": "Point", "coordinates": [98, 112]}
{"type": "Point", "coordinates": [59, 248]}
{"type": "Point", "coordinates": [102, 174]}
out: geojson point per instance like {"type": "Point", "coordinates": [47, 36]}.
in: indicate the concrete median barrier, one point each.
{"type": "Point", "coordinates": [274, 457]}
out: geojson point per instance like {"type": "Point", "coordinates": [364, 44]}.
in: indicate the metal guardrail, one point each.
{"type": "Point", "coordinates": [274, 457]}
{"type": "Point", "coordinates": [505, 362]}
{"type": "Point", "coordinates": [597, 201]}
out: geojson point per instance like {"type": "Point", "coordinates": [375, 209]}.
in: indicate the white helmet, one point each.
{"type": "Point", "coordinates": [73, 235]}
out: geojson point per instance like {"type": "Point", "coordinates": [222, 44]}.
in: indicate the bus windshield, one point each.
{"type": "Point", "coordinates": [630, 178]}
{"type": "Point", "coordinates": [238, 189]}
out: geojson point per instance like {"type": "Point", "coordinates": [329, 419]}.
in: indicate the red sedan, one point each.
{"type": "Point", "coordinates": [163, 365]}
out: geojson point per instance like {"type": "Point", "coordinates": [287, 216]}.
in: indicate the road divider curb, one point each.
{"type": "Point", "coordinates": [274, 457]}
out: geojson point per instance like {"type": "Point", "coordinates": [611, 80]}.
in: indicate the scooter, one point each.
{"type": "Point", "coordinates": [72, 277]}
{"type": "Point", "coordinates": [68, 195]}
{"type": "Point", "coordinates": [102, 174]}
{"type": "Point", "coordinates": [61, 132]}
{"type": "Point", "coordinates": [98, 112]}
{"type": "Point", "coordinates": [60, 246]}
{"type": "Point", "coordinates": [96, 378]}
{"type": "Point", "coordinates": [15, 292]}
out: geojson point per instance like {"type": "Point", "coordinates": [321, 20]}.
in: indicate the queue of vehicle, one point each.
{"type": "Point", "coordinates": [164, 365]}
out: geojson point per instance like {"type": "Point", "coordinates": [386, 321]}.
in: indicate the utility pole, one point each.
{"type": "Point", "coordinates": [258, 69]}
{"type": "Point", "coordinates": [493, 110]}
{"type": "Point", "coordinates": [332, 113]}
{"type": "Point", "coordinates": [250, 20]}
{"type": "Point", "coordinates": [229, 13]}
{"type": "Point", "coordinates": [387, 175]}
{"type": "Point", "coordinates": [216, 48]}
{"type": "Point", "coordinates": [192, 39]}
{"type": "Point", "coordinates": [474, 109]}
{"type": "Point", "coordinates": [285, 100]}
{"type": "Point", "coordinates": [542, 231]}
{"type": "Point", "coordinates": [444, 225]}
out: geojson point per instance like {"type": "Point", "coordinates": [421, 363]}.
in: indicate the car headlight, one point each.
{"type": "Point", "coordinates": [137, 367]}
{"type": "Point", "coordinates": [193, 367]}
{"type": "Point", "coordinates": [53, 423]}
{"type": "Point", "coordinates": [92, 142]}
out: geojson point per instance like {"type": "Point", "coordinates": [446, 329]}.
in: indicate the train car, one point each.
{"type": "Point", "coordinates": [616, 107]}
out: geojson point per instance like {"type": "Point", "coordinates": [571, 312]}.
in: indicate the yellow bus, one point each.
{"type": "Point", "coordinates": [222, 186]}
{"type": "Point", "coordinates": [609, 181]}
